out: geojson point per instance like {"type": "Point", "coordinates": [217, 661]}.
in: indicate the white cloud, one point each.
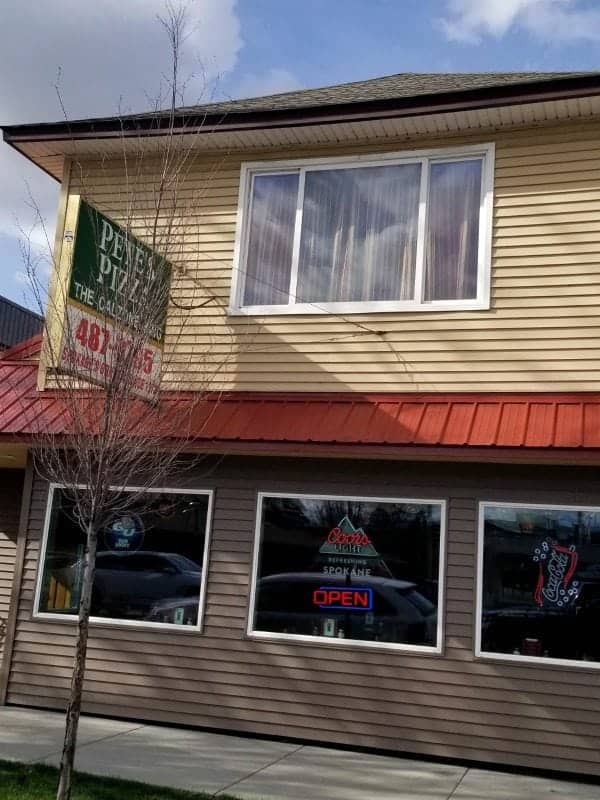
{"type": "Point", "coordinates": [106, 50]}
{"type": "Point", "coordinates": [548, 20]}
{"type": "Point", "coordinates": [18, 220]}
{"type": "Point", "coordinates": [22, 277]}
{"type": "Point", "coordinates": [271, 82]}
{"type": "Point", "coordinates": [111, 54]}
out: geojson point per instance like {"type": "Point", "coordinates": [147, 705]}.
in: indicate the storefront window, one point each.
{"type": "Point", "coordinates": [343, 568]}
{"type": "Point", "coordinates": [540, 583]}
{"type": "Point", "coordinates": [149, 564]}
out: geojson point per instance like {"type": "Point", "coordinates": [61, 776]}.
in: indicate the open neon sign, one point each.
{"type": "Point", "coordinates": [345, 599]}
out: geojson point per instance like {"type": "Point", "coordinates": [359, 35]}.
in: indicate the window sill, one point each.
{"type": "Point", "coordinates": [109, 622]}
{"type": "Point", "coordinates": [539, 661]}
{"type": "Point", "coordinates": [375, 307]}
{"type": "Point", "coordinates": [317, 641]}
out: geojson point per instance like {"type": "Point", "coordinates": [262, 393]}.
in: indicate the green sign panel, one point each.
{"type": "Point", "coordinates": [116, 276]}
{"type": "Point", "coordinates": [117, 303]}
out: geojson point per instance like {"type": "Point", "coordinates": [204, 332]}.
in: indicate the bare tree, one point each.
{"type": "Point", "coordinates": [127, 403]}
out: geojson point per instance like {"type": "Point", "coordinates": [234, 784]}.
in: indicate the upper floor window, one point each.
{"type": "Point", "coordinates": [383, 233]}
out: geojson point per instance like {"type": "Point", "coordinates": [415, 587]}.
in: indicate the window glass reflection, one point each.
{"type": "Point", "coordinates": [351, 569]}
{"type": "Point", "coordinates": [541, 582]}
{"type": "Point", "coordinates": [148, 564]}
{"type": "Point", "coordinates": [270, 239]}
{"type": "Point", "coordinates": [453, 230]}
{"type": "Point", "coordinates": [359, 234]}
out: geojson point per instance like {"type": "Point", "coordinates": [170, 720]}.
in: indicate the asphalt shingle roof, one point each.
{"type": "Point", "coordinates": [404, 85]}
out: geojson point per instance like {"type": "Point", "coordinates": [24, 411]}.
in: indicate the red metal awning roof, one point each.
{"type": "Point", "coordinates": [486, 420]}
{"type": "Point", "coordinates": [467, 423]}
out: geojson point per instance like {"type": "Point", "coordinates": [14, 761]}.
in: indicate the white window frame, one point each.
{"type": "Point", "coordinates": [301, 166]}
{"type": "Point", "coordinates": [116, 621]}
{"type": "Point", "coordinates": [512, 657]}
{"type": "Point", "coordinates": [334, 642]}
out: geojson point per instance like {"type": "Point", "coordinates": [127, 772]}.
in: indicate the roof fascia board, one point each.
{"type": "Point", "coordinates": [465, 454]}
{"type": "Point", "coordinates": [151, 125]}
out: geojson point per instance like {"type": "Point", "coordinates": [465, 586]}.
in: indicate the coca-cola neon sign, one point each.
{"type": "Point", "coordinates": [556, 566]}
{"type": "Point", "coordinates": [344, 598]}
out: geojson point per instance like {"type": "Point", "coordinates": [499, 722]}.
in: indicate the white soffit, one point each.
{"type": "Point", "coordinates": [49, 154]}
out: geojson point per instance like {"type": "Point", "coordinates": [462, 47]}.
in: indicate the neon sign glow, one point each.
{"type": "Point", "coordinates": [345, 599]}
{"type": "Point", "coordinates": [338, 536]}
{"type": "Point", "coordinates": [344, 538]}
{"type": "Point", "coordinates": [556, 567]}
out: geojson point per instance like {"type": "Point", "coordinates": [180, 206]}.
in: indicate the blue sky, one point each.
{"type": "Point", "coordinates": [329, 41]}
{"type": "Point", "coordinates": [112, 49]}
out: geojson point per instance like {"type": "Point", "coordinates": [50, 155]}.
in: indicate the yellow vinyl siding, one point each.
{"type": "Point", "coordinates": [541, 332]}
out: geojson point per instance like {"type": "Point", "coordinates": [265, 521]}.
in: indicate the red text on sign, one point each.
{"type": "Point", "coordinates": [337, 536]}
{"type": "Point", "coordinates": [350, 599]}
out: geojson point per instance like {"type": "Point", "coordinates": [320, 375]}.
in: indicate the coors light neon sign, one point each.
{"type": "Point", "coordinates": [345, 538]}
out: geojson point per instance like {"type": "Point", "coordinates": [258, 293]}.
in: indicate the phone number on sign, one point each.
{"type": "Point", "coordinates": [98, 339]}
{"type": "Point", "coordinates": [95, 369]}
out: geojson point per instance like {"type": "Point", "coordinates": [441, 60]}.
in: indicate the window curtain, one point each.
{"type": "Point", "coordinates": [359, 234]}
{"type": "Point", "coordinates": [453, 230]}
{"type": "Point", "coordinates": [270, 239]}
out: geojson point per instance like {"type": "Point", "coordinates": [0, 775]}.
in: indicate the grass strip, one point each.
{"type": "Point", "coordinates": [38, 782]}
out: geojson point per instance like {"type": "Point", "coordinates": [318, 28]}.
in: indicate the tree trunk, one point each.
{"type": "Point", "coordinates": [74, 707]}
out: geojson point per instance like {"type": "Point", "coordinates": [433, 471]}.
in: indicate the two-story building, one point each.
{"type": "Point", "coordinates": [400, 548]}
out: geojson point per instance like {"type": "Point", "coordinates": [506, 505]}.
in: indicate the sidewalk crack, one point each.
{"type": "Point", "coordinates": [256, 771]}
{"type": "Point", "coordinates": [86, 744]}
{"type": "Point", "coordinates": [458, 783]}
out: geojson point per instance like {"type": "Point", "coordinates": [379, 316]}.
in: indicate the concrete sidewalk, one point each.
{"type": "Point", "coordinates": [257, 769]}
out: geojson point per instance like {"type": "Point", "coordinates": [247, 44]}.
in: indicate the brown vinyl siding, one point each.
{"type": "Point", "coordinates": [450, 705]}
{"type": "Point", "coordinates": [11, 488]}
{"type": "Point", "coordinates": [542, 332]}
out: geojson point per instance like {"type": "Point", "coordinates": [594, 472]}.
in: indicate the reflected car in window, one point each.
{"type": "Point", "coordinates": [129, 584]}
{"type": "Point", "coordinates": [362, 608]}
{"type": "Point", "coordinates": [175, 611]}
{"type": "Point", "coordinates": [568, 633]}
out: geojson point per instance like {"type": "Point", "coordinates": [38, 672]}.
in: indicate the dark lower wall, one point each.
{"type": "Point", "coordinates": [11, 489]}
{"type": "Point", "coordinates": [450, 705]}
